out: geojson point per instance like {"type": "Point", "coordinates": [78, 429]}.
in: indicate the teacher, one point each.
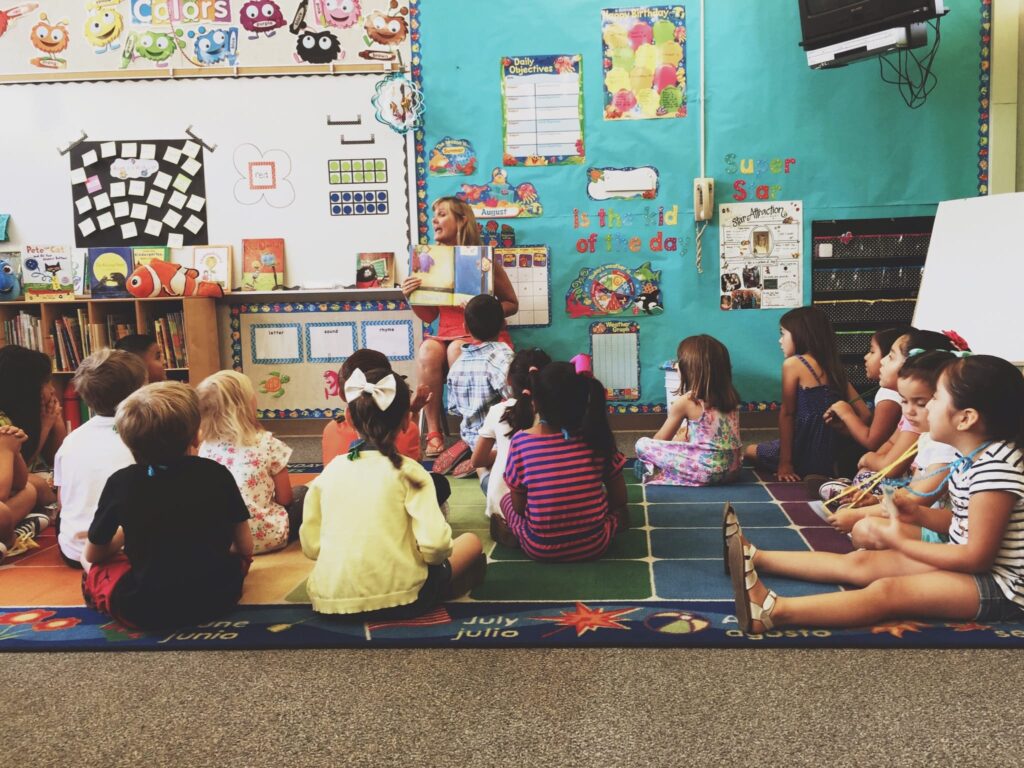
{"type": "Point", "coordinates": [454, 224]}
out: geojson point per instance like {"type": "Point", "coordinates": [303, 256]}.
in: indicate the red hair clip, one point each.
{"type": "Point", "coordinates": [583, 364]}
{"type": "Point", "coordinates": [959, 343]}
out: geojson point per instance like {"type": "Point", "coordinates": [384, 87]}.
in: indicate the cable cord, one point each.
{"type": "Point", "coordinates": [912, 74]}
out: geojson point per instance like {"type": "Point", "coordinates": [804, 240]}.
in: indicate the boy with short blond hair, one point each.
{"type": "Point", "coordinates": [185, 525]}
{"type": "Point", "coordinates": [94, 451]}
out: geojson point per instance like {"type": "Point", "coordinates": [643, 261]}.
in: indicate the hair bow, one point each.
{"type": "Point", "coordinates": [959, 343]}
{"type": "Point", "coordinates": [383, 392]}
{"type": "Point", "coordinates": [915, 352]}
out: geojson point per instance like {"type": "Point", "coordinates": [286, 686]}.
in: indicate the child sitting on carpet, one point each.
{"type": "Point", "coordinates": [29, 401]}
{"type": "Point", "coordinates": [339, 433]}
{"type": "Point", "coordinates": [813, 378]}
{"type": "Point", "coordinates": [257, 460]}
{"type": "Point", "coordinates": [699, 443]}
{"type": "Point", "coordinates": [902, 440]}
{"type": "Point", "coordinates": [146, 348]}
{"type": "Point", "coordinates": [373, 524]}
{"type": "Point", "coordinates": [978, 408]}
{"type": "Point", "coordinates": [17, 494]}
{"type": "Point", "coordinates": [184, 525]}
{"type": "Point", "coordinates": [502, 422]}
{"type": "Point", "coordinates": [917, 381]}
{"type": "Point", "coordinates": [94, 451]}
{"type": "Point", "coordinates": [476, 381]}
{"type": "Point", "coordinates": [872, 432]}
{"type": "Point", "coordinates": [567, 496]}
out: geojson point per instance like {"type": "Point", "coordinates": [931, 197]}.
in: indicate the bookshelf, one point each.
{"type": "Point", "coordinates": [70, 330]}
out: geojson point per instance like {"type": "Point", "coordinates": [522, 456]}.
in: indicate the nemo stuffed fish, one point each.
{"type": "Point", "coordinates": [162, 278]}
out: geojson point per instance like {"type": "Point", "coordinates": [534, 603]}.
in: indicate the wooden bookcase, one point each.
{"type": "Point", "coordinates": [200, 315]}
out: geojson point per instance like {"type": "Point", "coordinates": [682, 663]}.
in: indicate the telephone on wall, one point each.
{"type": "Point", "coordinates": [703, 199]}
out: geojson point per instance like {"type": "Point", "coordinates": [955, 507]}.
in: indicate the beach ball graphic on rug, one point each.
{"type": "Point", "coordinates": [676, 622]}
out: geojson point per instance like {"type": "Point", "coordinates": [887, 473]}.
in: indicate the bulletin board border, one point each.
{"type": "Point", "coordinates": [984, 81]}
{"type": "Point", "coordinates": [277, 310]}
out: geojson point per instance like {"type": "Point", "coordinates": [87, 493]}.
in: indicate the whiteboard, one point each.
{"type": "Point", "coordinates": [287, 114]}
{"type": "Point", "coordinates": [974, 272]}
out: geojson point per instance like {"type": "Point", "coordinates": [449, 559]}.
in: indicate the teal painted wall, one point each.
{"type": "Point", "coordinates": [860, 152]}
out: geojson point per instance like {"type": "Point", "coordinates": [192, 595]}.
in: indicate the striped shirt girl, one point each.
{"type": "Point", "coordinates": [999, 467]}
{"type": "Point", "coordinates": [567, 516]}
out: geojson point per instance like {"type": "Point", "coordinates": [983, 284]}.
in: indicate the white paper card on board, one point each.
{"type": "Point", "coordinates": [137, 188]}
{"type": "Point", "coordinates": [153, 227]}
{"type": "Point", "coordinates": [191, 149]}
{"type": "Point", "coordinates": [87, 227]}
{"type": "Point", "coordinates": [172, 218]}
{"type": "Point", "coordinates": [129, 230]}
{"type": "Point", "coordinates": [175, 240]}
{"type": "Point", "coordinates": [331, 343]}
{"type": "Point", "coordinates": [147, 152]}
{"type": "Point", "coordinates": [121, 210]}
{"type": "Point", "coordinates": [101, 201]}
{"type": "Point", "coordinates": [177, 200]}
{"type": "Point", "coordinates": [182, 182]}
{"type": "Point", "coordinates": [162, 180]}
{"type": "Point", "coordinates": [129, 149]}
{"type": "Point", "coordinates": [118, 189]}
{"type": "Point", "coordinates": [89, 158]}
{"type": "Point", "coordinates": [83, 204]}
{"type": "Point", "coordinates": [392, 339]}
{"type": "Point", "coordinates": [106, 220]}
{"type": "Point", "coordinates": [195, 203]}
{"type": "Point", "coordinates": [273, 343]}
{"type": "Point", "coordinates": [108, 149]}
{"type": "Point", "coordinates": [172, 155]}
{"type": "Point", "coordinates": [140, 211]}
{"type": "Point", "coordinates": [78, 176]}
{"type": "Point", "coordinates": [156, 199]}
{"type": "Point", "coordinates": [194, 224]}
{"type": "Point", "coordinates": [191, 166]}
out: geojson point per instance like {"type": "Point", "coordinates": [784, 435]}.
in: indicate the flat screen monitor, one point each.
{"type": "Point", "coordinates": [827, 22]}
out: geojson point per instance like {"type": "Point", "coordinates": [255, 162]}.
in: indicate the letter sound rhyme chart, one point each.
{"type": "Point", "coordinates": [542, 108]}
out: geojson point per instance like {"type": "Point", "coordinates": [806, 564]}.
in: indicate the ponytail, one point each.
{"type": "Point", "coordinates": [596, 431]}
{"type": "Point", "coordinates": [381, 428]}
{"type": "Point", "coordinates": [574, 403]}
{"type": "Point", "coordinates": [521, 379]}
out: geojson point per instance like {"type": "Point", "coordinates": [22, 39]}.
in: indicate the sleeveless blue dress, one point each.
{"type": "Point", "coordinates": [813, 439]}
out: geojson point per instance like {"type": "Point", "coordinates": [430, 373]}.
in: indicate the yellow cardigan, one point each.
{"type": "Point", "coordinates": [372, 533]}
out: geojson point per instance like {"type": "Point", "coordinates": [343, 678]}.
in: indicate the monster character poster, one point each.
{"type": "Point", "coordinates": [139, 192]}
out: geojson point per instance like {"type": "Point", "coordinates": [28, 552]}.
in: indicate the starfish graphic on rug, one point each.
{"type": "Point", "coordinates": [585, 618]}
{"type": "Point", "coordinates": [897, 628]}
{"type": "Point", "coordinates": [971, 626]}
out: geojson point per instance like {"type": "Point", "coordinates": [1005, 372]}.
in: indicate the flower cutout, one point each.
{"type": "Point", "coordinates": [54, 625]}
{"type": "Point", "coordinates": [26, 617]}
{"type": "Point", "coordinates": [263, 176]}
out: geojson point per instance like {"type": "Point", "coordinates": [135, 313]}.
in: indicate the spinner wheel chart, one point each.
{"type": "Point", "coordinates": [613, 290]}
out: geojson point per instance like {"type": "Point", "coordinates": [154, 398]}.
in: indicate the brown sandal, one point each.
{"type": "Point", "coordinates": [435, 438]}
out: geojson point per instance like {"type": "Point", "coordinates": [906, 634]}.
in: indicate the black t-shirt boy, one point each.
{"type": "Point", "coordinates": [178, 526]}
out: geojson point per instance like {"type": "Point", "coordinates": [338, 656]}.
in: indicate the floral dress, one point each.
{"type": "Point", "coordinates": [707, 451]}
{"type": "Point", "coordinates": [254, 467]}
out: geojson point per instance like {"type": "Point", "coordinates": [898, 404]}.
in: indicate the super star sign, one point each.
{"type": "Point", "coordinates": [585, 619]}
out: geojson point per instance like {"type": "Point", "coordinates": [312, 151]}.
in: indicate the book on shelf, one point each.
{"type": "Point", "coordinates": [24, 330]}
{"type": "Point", "coordinates": [10, 275]}
{"type": "Point", "coordinates": [262, 264]}
{"type": "Point", "coordinates": [144, 255]}
{"type": "Point", "coordinates": [108, 272]}
{"type": "Point", "coordinates": [170, 336]}
{"type": "Point", "coordinates": [213, 262]}
{"type": "Point", "coordinates": [47, 274]}
{"type": "Point", "coordinates": [118, 326]}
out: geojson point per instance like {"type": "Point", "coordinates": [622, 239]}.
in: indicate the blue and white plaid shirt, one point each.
{"type": "Point", "coordinates": [476, 382]}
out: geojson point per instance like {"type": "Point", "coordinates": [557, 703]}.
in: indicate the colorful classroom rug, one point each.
{"type": "Point", "coordinates": [661, 584]}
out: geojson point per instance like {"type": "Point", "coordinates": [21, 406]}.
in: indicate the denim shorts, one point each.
{"type": "Point", "coordinates": [994, 605]}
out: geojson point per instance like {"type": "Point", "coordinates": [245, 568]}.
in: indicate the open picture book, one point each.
{"type": "Point", "coordinates": [451, 274]}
